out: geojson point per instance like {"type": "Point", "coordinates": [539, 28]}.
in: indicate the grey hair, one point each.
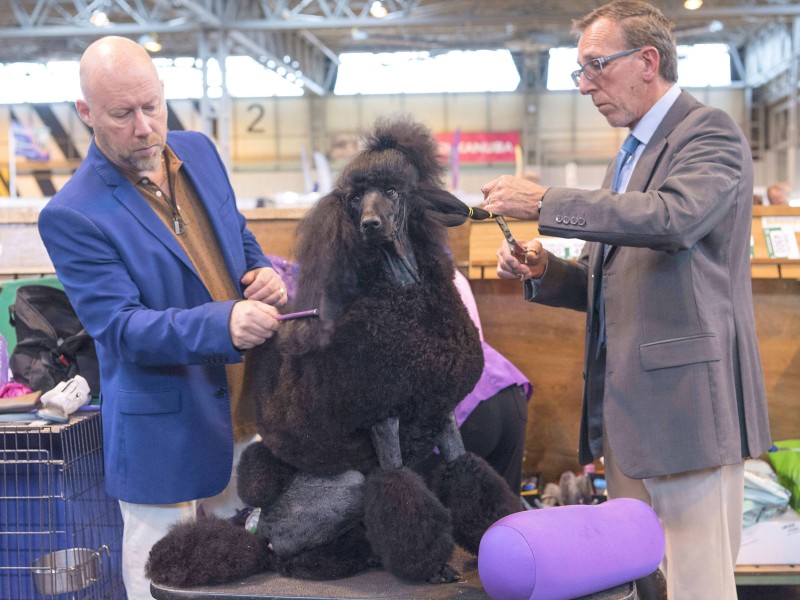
{"type": "Point", "coordinates": [642, 25]}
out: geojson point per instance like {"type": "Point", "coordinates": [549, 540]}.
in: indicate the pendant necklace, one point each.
{"type": "Point", "coordinates": [178, 225]}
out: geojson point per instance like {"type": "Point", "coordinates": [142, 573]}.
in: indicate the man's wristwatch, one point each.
{"type": "Point", "coordinates": [539, 207]}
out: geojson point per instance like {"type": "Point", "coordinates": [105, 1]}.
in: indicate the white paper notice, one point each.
{"type": "Point", "coordinates": [563, 248]}
{"type": "Point", "coordinates": [780, 233]}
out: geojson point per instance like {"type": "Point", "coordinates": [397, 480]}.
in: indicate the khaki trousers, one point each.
{"type": "Point", "coordinates": [145, 524]}
{"type": "Point", "coordinates": [701, 512]}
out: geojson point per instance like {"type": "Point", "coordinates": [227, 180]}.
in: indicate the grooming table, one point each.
{"type": "Point", "coordinates": [375, 584]}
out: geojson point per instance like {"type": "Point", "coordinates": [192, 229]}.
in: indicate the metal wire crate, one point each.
{"type": "Point", "coordinates": [60, 533]}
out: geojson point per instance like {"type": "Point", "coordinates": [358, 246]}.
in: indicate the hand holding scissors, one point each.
{"type": "Point", "coordinates": [512, 265]}
{"type": "Point", "coordinates": [520, 253]}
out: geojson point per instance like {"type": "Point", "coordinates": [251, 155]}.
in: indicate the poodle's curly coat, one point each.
{"type": "Point", "coordinates": [393, 342]}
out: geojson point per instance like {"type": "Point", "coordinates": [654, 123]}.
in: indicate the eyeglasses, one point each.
{"type": "Point", "coordinates": [594, 68]}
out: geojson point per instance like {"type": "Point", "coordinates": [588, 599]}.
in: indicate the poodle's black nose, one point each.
{"type": "Point", "coordinates": [370, 223]}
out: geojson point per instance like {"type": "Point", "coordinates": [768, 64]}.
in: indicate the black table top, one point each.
{"type": "Point", "coordinates": [375, 584]}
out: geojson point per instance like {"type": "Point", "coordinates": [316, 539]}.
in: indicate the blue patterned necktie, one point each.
{"type": "Point", "coordinates": [625, 154]}
{"type": "Point", "coordinates": [623, 157]}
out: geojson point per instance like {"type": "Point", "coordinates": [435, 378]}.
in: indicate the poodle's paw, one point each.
{"type": "Point", "coordinates": [208, 552]}
{"type": "Point", "coordinates": [446, 574]}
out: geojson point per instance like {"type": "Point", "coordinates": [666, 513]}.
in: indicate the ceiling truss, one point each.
{"type": "Point", "coordinates": [306, 36]}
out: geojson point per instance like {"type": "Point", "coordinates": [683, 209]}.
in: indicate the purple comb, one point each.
{"type": "Point", "coordinates": [299, 315]}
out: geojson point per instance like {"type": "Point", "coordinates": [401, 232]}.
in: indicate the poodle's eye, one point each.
{"type": "Point", "coordinates": [355, 198]}
{"type": "Point", "coordinates": [391, 192]}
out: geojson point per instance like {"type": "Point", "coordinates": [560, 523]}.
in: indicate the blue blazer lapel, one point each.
{"type": "Point", "coordinates": [125, 193]}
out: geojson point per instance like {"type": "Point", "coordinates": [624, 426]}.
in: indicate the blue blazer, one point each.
{"type": "Point", "coordinates": [161, 342]}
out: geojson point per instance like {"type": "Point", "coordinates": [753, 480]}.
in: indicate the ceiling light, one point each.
{"type": "Point", "coordinates": [99, 19]}
{"type": "Point", "coordinates": [150, 43]}
{"type": "Point", "coordinates": [378, 10]}
{"type": "Point", "coordinates": [692, 4]}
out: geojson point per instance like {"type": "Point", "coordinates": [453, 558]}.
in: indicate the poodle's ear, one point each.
{"type": "Point", "coordinates": [326, 238]}
{"type": "Point", "coordinates": [448, 210]}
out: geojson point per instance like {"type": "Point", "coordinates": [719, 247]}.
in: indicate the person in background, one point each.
{"type": "Point", "coordinates": [493, 417]}
{"type": "Point", "coordinates": [673, 387]}
{"type": "Point", "coordinates": [778, 194]}
{"type": "Point", "coordinates": [165, 276]}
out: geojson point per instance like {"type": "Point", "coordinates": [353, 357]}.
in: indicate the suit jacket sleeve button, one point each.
{"type": "Point", "coordinates": [558, 218]}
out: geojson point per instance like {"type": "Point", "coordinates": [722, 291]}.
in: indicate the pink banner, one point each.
{"type": "Point", "coordinates": [480, 147]}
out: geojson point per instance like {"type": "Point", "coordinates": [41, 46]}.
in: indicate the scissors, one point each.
{"type": "Point", "coordinates": [518, 251]}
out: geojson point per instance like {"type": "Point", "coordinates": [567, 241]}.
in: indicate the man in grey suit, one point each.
{"type": "Point", "coordinates": [674, 394]}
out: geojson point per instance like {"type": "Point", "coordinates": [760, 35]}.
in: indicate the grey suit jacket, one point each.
{"type": "Point", "coordinates": [680, 385]}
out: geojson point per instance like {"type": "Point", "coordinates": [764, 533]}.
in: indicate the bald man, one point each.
{"type": "Point", "coordinates": [165, 276]}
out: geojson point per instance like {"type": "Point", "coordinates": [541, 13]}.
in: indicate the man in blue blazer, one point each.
{"type": "Point", "coordinates": [674, 394]}
{"type": "Point", "coordinates": [165, 276]}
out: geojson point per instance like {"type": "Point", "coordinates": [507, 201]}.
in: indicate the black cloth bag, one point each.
{"type": "Point", "coordinates": [52, 345]}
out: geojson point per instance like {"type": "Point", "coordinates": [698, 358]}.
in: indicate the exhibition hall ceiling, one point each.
{"type": "Point", "coordinates": [313, 32]}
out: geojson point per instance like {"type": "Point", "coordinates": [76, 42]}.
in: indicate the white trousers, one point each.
{"type": "Point", "coordinates": [145, 524]}
{"type": "Point", "coordinates": [701, 512]}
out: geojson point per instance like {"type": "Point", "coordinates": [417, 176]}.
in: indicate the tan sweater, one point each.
{"type": "Point", "coordinates": [201, 246]}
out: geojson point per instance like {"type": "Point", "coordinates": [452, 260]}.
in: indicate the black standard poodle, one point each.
{"type": "Point", "coordinates": [349, 402]}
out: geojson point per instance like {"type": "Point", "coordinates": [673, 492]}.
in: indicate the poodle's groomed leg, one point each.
{"type": "Point", "coordinates": [346, 555]}
{"type": "Point", "coordinates": [301, 513]}
{"type": "Point", "coordinates": [407, 526]}
{"type": "Point", "coordinates": [386, 441]}
{"type": "Point", "coordinates": [312, 511]}
{"type": "Point", "coordinates": [451, 445]}
{"type": "Point", "coordinates": [474, 493]}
